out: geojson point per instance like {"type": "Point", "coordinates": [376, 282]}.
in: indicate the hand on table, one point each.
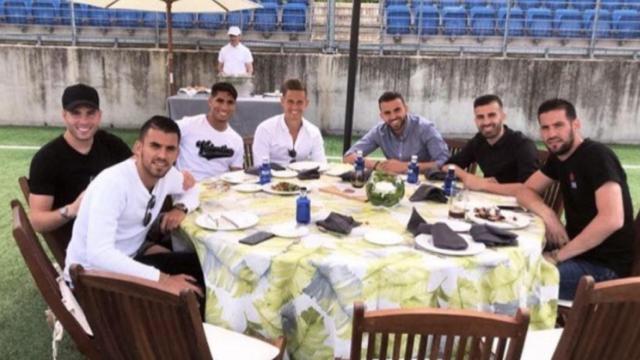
{"type": "Point", "coordinates": [555, 232]}
{"type": "Point", "coordinates": [393, 166]}
{"type": "Point", "coordinates": [171, 220]}
{"type": "Point", "coordinates": [188, 181]}
{"type": "Point", "coordinates": [177, 283]}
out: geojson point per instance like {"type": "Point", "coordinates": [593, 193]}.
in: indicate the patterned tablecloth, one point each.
{"type": "Point", "coordinates": [305, 288]}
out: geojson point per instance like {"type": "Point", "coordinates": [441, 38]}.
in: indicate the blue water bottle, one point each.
{"type": "Point", "coordinates": [303, 208]}
{"type": "Point", "coordinates": [413, 171]}
{"type": "Point", "coordinates": [265, 171]}
{"type": "Point", "coordinates": [359, 178]}
{"type": "Point", "coordinates": [450, 181]}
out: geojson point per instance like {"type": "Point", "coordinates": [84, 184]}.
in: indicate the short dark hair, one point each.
{"type": "Point", "coordinates": [224, 87]}
{"type": "Point", "coordinates": [389, 96]}
{"type": "Point", "coordinates": [161, 123]}
{"type": "Point", "coordinates": [486, 100]}
{"type": "Point", "coordinates": [293, 84]}
{"type": "Point", "coordinates": [558, 104]}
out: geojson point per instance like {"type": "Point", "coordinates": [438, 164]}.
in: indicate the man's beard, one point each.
{"type": "Point", "coordinates": [566, 147]}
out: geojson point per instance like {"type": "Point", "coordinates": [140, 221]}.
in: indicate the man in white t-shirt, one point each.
{"type": "Point", "coordinates": [235, 58]}
{"type": "Point", "coordinates": [122, 202]}
{"type": "Point", "coordinates": [289, 137]}
{"type": "Point", "coordinates": [209, 146]}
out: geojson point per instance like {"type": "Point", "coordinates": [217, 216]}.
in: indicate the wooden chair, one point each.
{"type": "Point", "coordinates": [45, 275]}
{"type": "Point", "coordinates": [426, 329]}
{"type": "Point", "coordinates": [603, 323]}
{"type": "Point", "coordinates": [455, 145]}
{"type": "Point", "coordinates": [248, 151]}
{"type": "Point", "coordinates": [135, 318]}
{"type": "Point", "coordinates": [56, 240]}
{"type": "Point", "coordinates": [552, 195]}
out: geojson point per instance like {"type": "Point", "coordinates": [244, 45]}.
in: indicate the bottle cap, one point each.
{"type": "Point", "coordinates": [359, 152]}
{"type": "Point", "coordinates": [265, 159]}
{"type": "Point", "coordinates": [451, 167]}
{"type": "Point", "coordinates": [414, 157]}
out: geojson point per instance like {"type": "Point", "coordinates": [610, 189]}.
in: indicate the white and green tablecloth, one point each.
{"type": "Point", "coordinates": [305, 288]}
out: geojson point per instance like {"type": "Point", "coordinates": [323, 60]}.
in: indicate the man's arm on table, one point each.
{"type": "Point", "coordinates": [368, 143]}
{"type": "Point", "coordinates": [44, 218]}
{"type": "Point", "coordinates": [490, 185]}
{"type": "Point", "coordinates": [188, 197]}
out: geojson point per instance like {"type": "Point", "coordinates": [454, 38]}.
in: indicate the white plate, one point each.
{"type": "Point", "coordinates": [455, 224]}
{"type": "Point", "coordinates": [383, 237]}
{"type": "Point", "coordinates": [513, 220]}
{"type": "Point", "coordinates": [308, 165]}
{"type": "Point", "coordinates": [247, 187]}
{"type": "Point", "coordinates": [425, 242]}
{"type": "Point", "coordinates": [290, 230]}
{"type": "Point", "coordinates": [238, 177]}
{"type": "Point", "coordinates": [339, 169]}
{"type": "Point", "coordinates": [223, 220]}
{"type": "Point", "coordinates": [284, 173]}
{"type": "Point", "coordinates": [267, 188]}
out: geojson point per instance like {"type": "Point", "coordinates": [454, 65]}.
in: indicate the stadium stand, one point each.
{"type": "Point", "coordinates": [516, 21]}
{"type": "Point", "coordinates": [626, 23]}
{"type": "Point", "coordinates": [454, 20]}
{"type": "Point", "coordinates": [129, 18]}
{"type": "Point", "coordinates": [427, 19]}
{"type": "Point", "coordinates": [210, 21]}
{"type": "Point", "coordinates": [240, 19]}
{"type": "Point", "coordinates": [568, 23]}
{"type": "Point", "coordinates": [539, 22]}
{"type": "Point", "coordinates": [16, 12]}
{"type": "Point", "coordinates": [294, 17]}
{"type": "Point", "coordinates": [44, 12]}
{"type": "Point", "coordinates": [266, 18]}
{"type": "Point", "coordinates": [183, 20]}
{"type": "Point", "coordinates": [398, 19]}
{"type": "Point", "coordinates": [483, 21]}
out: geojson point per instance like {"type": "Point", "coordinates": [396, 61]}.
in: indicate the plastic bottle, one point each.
{"type": "Point", "coordinates": [265, 171]}
{"type": "Point", "coordinates": [413, 171]}
{"type": "Point", "coordinates": [358, 176]}
{"type": "Point", "coordinates": [450, 181]}
{"type": "Point", "coordinates": [303, 208]}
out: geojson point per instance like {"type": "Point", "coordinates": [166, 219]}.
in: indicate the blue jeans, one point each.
{"type": "Point", "coordinates": [573, 269]}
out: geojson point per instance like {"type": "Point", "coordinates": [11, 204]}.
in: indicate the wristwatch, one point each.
{"type": "Point", "coordinates": [64, 212]}
{"type": "Point", "coordinates": [181, 207]}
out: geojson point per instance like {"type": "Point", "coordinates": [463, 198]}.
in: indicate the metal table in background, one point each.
{"type": "Point", "coordinates": [250, 111]}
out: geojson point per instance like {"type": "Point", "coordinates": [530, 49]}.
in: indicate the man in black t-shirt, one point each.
{"type": "Point", "coordinates": [598, 238]}
{"type": "Point", "coordinates": [61, 170]}
{"type": "Point", "coordinates": [507, 158]}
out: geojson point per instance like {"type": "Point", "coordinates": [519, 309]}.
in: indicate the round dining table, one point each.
{"type": "Point", "coordinates": [304, 287]}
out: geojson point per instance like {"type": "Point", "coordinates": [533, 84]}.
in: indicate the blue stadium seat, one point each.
{"type": "Point", "coordinates": [626, 23]}
{"type": "Point", "coordinates": [483, 21]}
{"type": "Point", "coordinates": [454, 20]}
{"type": "Point", "coordinates": [183, 20]}
{"type": "Point", "coordinates": [583, 4]}
{"type": "Point", "coordinates": [294, 17]}
{"type": "Point", "coordinates": [82, 15]}
{"type": "Point", "coordinates": [603, 27]}
{"type": "Point", "coordinates": [129, 18]}
{"type": "Point", "coordinates": [556, 4]}
{"type": "Point", "coordinates": [266, 18]}
{"type": "Point", "coordinates": [474, 3]}
{"type": "Point", "coordinates": [240, 19]}
{"type": "Point", "coordinates": [530, 4]}
{"type": "Point", "coordinates": [568, 23]}
{"type": "Point", "coordinates": [611, 4]}
{"type": "Point", "coordinates": [16, 12]}
{"type": "Point", "coordinates": [153, 19]}
{"type": "Point", "coordinates": [633, 4]}
{"type": "Point", "coordinates": [398, 19]}
{"type": "Point", "coordinates": [516, 21]}
{"type": "Point", "coordinates": [276, 2]}
{"type": "Point", "coordinates": [427, 19]}
{"type": "Point", "coordinates": [210, 21]}
{"type": "Point", "coordinates": [306, 2]}
{"type": "Point", "coordinates": [539, 22]}
{"type": "Point", "coordinates": [449, 3]}
{"type": "Point", "coordinates": [416, 3]}
{"type": "Point", "coordinates": [99, 17]}
{"type": "Point", "coordinates": [388, 3]}
{"type": "Point", "coordinates": [44, 12]}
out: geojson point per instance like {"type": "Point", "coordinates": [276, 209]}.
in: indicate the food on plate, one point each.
{"type": "Point", "coordinates": [489, 213]}
{"type": "Point", "coordinates": [285, 186]}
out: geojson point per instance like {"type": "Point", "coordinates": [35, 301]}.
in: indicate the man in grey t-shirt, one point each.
{"type": "Point", "coordinates": [400, 136]}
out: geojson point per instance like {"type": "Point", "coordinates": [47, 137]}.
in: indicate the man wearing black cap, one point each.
{"type": "Point", "coordinates": [61, 170]}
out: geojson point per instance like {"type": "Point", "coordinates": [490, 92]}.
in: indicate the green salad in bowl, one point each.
{"type": "Point", "coordinates": [384, 189]}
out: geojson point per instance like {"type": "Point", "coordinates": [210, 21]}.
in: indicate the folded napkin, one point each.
{"type": "Point", "coordinates": [338, 223]}
{"type": "Point", "coordinates": [493, 236]}
{"type": "Point", "coordinates": [417, 225]}
{"type": "Point", "coordinates": [445, 238]}
{"type": "Point", "coordinates": [255, 170]}
{"type": "Point", "coordinates": [429, 192]}
{"type": "Point", "coordinates": [349, 175]}
{"type": "Point", "coordinates": [310, 174]}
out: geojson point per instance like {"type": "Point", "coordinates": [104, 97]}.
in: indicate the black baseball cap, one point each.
{"type": "Point", "coordinates": [80, 94]}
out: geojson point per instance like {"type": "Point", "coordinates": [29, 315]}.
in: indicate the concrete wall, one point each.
{"type": "Point", "coordinates": [132, 86]}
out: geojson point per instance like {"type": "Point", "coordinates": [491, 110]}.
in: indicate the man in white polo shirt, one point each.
{"type": "Point", "coordinates": [289, 137]}
{"type": "Point", "coordinates": [209, 146]}
{"type": "Point", "coordinates": [235, 58]}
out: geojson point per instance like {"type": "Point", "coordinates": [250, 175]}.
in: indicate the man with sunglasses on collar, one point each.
{"type": "Point", "coordinates": [122, 202]}
{"type": "Point", "coordinates": [289, 137]}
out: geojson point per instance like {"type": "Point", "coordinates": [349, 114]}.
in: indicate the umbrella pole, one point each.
{"type": "Point", "coordinates": [172, 89]}
{"type": "Point", "coordinates": [351, 78]}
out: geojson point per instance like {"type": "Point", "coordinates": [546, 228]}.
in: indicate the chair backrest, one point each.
{"type": "Point", "coordinates": [635, 266]}
{"type": "Point", "coordinates": [398, 19]}
{"type": "Point", "coordinates": [454, 20]}
{"type": "Point", "coordinates": [45, 275]}
{"type": "Point", "coordinates": [516, 21]}
{"type": "Point", "coordinates": [603, 322]}
{"type": "Point", "coordinates": [437, 334]}
{"type": "Point", "coordinates": [56, 240]}
{"type": "Point", "coordinates": [248, 151]}
{"type": "Point", "coordinates": [135, 318]}
{"type": "Point", "coordinates": [427, 19]}
{"type": "Point", "coordinates": [552, 195]}
{"type": "Point", "coordinates": [455, 145]}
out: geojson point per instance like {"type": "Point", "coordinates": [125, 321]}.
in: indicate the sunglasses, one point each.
{"type": "Point", "coordinates": [147, 212]}
{"type": "Point", "coordinates": [292, 155]}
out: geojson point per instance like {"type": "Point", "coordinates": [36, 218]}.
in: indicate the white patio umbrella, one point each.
{"type": "Point", "coordinates": [173, 6]}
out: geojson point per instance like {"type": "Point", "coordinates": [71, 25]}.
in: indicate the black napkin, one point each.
{"type": "Point", "coordinates": [417, 225]}
{"type": "Point", "coordinates": [255, 170]}
{"type": "Point", "coordinates": [310, 174]}
{"type": "Point", "coordinates": [349, 175]}
{"type": "Point", "coordinates": [437, 175]}
{"type": "Point", "coordinates": [493, 236]}
{"type": "Point", "coordinates": [338, 223]}
{"type": "Point", "coordinates": [428, 192]}
{"type": "Point", "coordinates": [445, 238]}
